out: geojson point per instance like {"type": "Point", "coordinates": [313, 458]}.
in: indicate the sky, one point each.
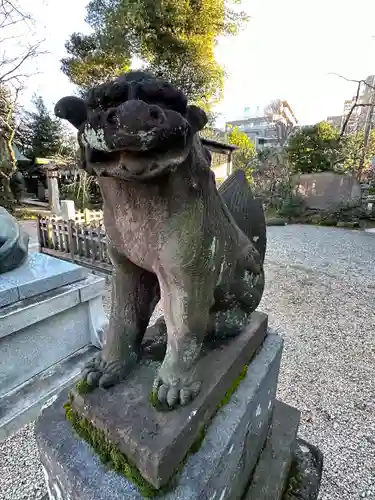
{"type": "Point", "coordinates": [289, 50]}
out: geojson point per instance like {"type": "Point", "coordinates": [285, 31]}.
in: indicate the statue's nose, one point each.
{"type": "Point", "coordinates": [136, 114]}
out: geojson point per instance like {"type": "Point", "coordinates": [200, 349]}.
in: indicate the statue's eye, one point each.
{"type": "Point", "coordinates": [108, 95]}
{"type": "Point", "coordinates": [95, 156]}
{"type": "Point", "coordinates": [163, 95]}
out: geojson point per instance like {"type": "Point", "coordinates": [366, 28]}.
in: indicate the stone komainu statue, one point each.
{"type": "Point", "coordinates": [14, 242]}
{"type": "Point", "coordinates": [171, 234]}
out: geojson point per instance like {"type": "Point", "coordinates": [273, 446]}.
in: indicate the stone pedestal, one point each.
{"type": "Point", "coordinates": [247, 447]}
{"type": "Point", "coordinates": [219, 469]}
{"type": "Point", "coordinates": [51, 322]}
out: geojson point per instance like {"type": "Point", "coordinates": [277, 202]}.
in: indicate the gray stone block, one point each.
{"type": "Point", "coordinates": [24, 313]}
{"type": "Point", "coordinates": [140, 430]}
{"type": "Point", "coordinates": [8, 293]}
{"type": "Point", "coordinates": [218, 471]}
{"type": "Point", "coordinates": [272, 471]}
{"type": "Point", "coordinates": [40, 273]}
{"type": "Point", "coordinates": [96, 288]}
{"type": "Point", "coordinates": [37, 335]}
{"type": "Point", "coordinates": [35, 348]}
{"type": "Point", "coordinates": [24, 404]}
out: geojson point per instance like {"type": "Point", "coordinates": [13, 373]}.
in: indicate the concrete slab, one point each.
{"type": "Point", "coordinates": [40, 273]}
{"type": "Point", "coordinates": [272, 471]}
{"type": "Point", "coordinates": [24, 313]}
{"type": "Point", "coordinates": [219, 470]}
{"type": "Point", "coordinates": [24, 404]}
{"type": "Point", "coordinates": [37, 332]}
{"type": "Point", "coordinates": [8, 293]}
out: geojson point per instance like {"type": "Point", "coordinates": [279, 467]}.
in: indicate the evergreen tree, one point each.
{"type": "Point", "coordinates": [244, 154]}
{"type": "Point", "coordinates": [43, 135]}
{"type": "Point", "coordinates": [175, 38]}
{"type": "Point", "coordinates": [314, 149]}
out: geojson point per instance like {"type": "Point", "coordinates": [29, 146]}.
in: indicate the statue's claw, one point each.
{"type": "Point", "coordinates": [171, 396]}
{"type": "Point", "coordinates": [101, 373]}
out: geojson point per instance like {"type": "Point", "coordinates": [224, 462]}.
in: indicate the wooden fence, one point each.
{"type": "Point", "coordinates": [88, 216]}
{"type": "Point", "coordinates": [75, 241]}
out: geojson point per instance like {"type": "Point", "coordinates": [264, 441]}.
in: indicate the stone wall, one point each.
{"type": "Point", "coordinates": [326, 189]}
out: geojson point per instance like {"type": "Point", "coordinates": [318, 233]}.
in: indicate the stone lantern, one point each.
{"type": "Point", "coordinates": [53, 188]}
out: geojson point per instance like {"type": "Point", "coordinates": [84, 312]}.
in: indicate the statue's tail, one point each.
{"type": "Point", "coordinates": [246, 210]}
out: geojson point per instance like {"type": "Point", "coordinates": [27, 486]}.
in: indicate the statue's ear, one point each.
{"type": "Point", "coordinates": [196, 117]}
{"type": "Point", "coordinates": [73, 109]}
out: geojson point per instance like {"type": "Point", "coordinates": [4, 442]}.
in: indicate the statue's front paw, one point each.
{"type": "Point", "coordinates": [180, 392]}
{"type": "Point", "coordinates": [104, 373]}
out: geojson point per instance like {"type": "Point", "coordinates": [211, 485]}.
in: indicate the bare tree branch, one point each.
{"type": "Point", "coordinates": [31, 52]}
{"type": "Point", "coordinates": [345, 124]}
{"type": "Point", "coordinates": [356, 104]}
{"type": "Point", "coordinates": [11, 14]}
{"type": "Point", "coordinates": [13, 61]}
{"type": "Point", "coordinates": [354, 81]}
{"type": "Point", "coordinates": [7, 38]}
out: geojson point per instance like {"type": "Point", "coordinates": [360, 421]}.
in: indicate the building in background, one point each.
{"type": "Point", "coordinates": [266, 129]}
{"type": "Point", "coordinates": [335, 121]}
{"type": "Point", "coordinates": [360, 114]}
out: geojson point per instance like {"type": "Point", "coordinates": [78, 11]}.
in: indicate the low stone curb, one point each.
{"type": "Point", "coordinates": [306, 472]}
{"type": "Point", "coordinates": [276, 222]}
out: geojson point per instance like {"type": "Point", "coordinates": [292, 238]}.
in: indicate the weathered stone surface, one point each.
{"type": "Point", "coordinates": [219, 470]}
{"type": "Point", "coordinates": [156, 442]}
{"type": "Point", "coordinates": [306, 472]}
{"type": "Point", "coordinates": [23, 405]}
{"type": "Point", "coordinates": [40, 273]}
{"type": "Point", "coordinates": [38, 333]}
{"type": "Point", "coordinates": [272, 471]}
{"type": "Point", "coordinates": [170, 234]}
{"type": "Point", "coordinates": [235, 192]}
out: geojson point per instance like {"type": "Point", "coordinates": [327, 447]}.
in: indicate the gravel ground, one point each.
{"type": "Point", "coordinates": [319, 295]}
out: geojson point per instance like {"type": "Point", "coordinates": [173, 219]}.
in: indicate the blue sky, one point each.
{"type": "Point", "coordinates": [288, 51]}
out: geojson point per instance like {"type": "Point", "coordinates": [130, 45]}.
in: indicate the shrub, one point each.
{"type": "Point", "coordinates": [84, 191]}
{"type": "Point", "coordinates": [292, 207]}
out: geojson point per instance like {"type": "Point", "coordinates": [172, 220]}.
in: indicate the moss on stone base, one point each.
{"type": "Point", "coordinates": [111, 455]}
{"type": "Point", "coordinates": [233, 387]}
{"type": "Point", "coordinates": [82, 387]}
{"type": "Point", "coordinates": [108, 452]}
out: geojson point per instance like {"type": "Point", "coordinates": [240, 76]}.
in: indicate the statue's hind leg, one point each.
{"type": "Point", "coordinates": [232, 309]}
{"type": "Point", "coordinates": [234, 303]}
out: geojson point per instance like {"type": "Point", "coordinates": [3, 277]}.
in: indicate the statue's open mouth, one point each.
{"type": "Point", "coordinates": [135, 127]}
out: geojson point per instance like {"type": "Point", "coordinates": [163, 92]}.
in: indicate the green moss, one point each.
{"type": "Point", "coordinates": [153, 400]}
{"type": "Point", "coordinates": [112, 456]}
{"type": "Point", "coordinates": [82, 387]}
{"type": "Point", "coordinates": [195, 447]}
{"type": "Point", "coordinates": [202, 433]}
{"type": "Point", "coordinates": [108, 452]}
{"type": "Point", "coordinates": [233, 387]}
